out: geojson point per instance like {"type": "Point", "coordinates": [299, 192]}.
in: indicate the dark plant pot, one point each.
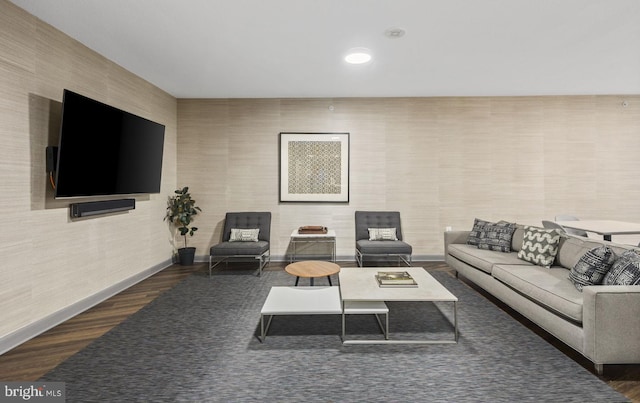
{"type": "Point", "coordinates": [186, 256]}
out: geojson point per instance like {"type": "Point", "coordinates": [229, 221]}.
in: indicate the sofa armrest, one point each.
{"type": "Point", "coordinates": [455, 237]}
{"type": "Point", "coordinates": [611, 323]}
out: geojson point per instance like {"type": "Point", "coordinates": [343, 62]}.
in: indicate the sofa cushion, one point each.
{"type": "Point", "coordinates": [539, 246]}
{"type": "Point", "coordinates": [382, 234]}
{"type": "Point", "coordinates": [592, 267]}
{"type": "Point", "coordinates": [239, 248]}
{"type": "Point", "coordinates": [516, 240]}
{"type": "Point", "coordinates": [383, 247]}
{"type": "Point", "coordinates": [572, 249]}
{"type": "Point", "coordinates": [548, 287]}
{"type": "Point", "coordinates": [497, 236]}
{"type": "Point", "coordinates": [483, 259]}
{"type": "Point", "coordinates": [625, 270]}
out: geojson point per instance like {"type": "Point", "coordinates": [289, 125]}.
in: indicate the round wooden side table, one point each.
{"type": "Point", "coordinates": [312, 269]}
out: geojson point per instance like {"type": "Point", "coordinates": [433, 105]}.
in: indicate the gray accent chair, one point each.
{"type": "Point", "coordinates": [377, 249]}
{"type": "Point", "coordinates": [258, 250]}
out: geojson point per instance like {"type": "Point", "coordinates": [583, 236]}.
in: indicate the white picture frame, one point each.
{"type": "Point", "coordinates": [314, 167]}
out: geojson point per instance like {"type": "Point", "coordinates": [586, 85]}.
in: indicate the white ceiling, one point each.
{"type": "Point", "coordinates": [295, 48]}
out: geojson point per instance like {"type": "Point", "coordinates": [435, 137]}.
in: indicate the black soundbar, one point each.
{"type": "Point", "coordinates": [101, 207]}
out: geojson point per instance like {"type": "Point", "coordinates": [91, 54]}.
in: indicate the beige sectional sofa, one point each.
{"type": "Point", "coordinates": [602, 322]}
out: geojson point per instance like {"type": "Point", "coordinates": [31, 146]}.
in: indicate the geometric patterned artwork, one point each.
{"type": "Point", "coordinates": [314, 167]}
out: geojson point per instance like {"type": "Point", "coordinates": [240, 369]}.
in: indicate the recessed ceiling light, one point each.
{"type": "Point", "coordinates": [358, 56]}
{"type": "Point", "coordinates": [394, 33]}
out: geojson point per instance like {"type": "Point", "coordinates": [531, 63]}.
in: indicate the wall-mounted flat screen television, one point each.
{"type": "Point", "coordinates": [106, 151]}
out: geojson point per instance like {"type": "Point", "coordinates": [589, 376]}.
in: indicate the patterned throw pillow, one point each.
{"type": "Point", "coordinates": [625, 270]}
{"type": "Point", "coordinates": [244, 235]}
{"type": "Point", "coordinates": [476, 231]}
{"type": "Point", "coordinates": [539, 246]}
{"type": "Point", "coordinates": [497, 236]}
{"type": "Point", "coordinates": [592, 267]}
{"type": "Point", "coordinates": [382, 234]}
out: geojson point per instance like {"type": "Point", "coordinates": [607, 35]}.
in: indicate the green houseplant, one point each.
{"type": "Point", "coordinates": [181, 210]}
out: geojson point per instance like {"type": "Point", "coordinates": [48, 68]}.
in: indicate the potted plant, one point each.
{"type": "Point", "coordinates": [181, 209]}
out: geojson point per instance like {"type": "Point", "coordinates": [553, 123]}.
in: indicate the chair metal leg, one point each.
{"type": "Point", "coordinates": [263, 261]}
{"type": "Point", "coordinates": [406, 259]}
{"type": "Point", "coordinates": [213, 265]}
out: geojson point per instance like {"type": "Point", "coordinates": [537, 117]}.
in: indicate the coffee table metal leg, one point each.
{"type": "Point", "coordinates": [386, 318]}
{"type": "Point", "coordinates": [311, 281]}
{"type": "Point", "coordinates": [387, 339]}
{"type": "Point", "coordinates": [297, 279]}
{"type": "Point", "coordinates": [264, 329]}
{"type": "Point", "coordinates": [386, 322]}
{"type": "Point", "coordinates": [385, 327]}
{"type": "Point", "coordinates": [329, 278]}
{"type": "Point", "coordinates": [455, 319]}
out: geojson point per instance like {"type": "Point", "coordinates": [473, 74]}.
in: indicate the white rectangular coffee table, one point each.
{"type": "Point", "coordinates": [359, 284]}
{"type": "Point", "coordinates": [299, 301]}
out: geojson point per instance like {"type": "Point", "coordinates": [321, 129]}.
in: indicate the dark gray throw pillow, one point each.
{"type": "Point", "coordinates": [497, 236]}
{"type": "Point", "coordinates": [476, 231]}
{"type": "Point", "coordinates": [592, 267]}
{"type": "Point", "coordinates": [625, 270]}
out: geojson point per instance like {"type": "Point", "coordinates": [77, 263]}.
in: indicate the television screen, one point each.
{"type": "Point", "coordinates": [106, 151]}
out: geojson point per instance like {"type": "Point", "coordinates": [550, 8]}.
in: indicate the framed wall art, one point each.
{"type": "Point", "coordinates": [314, 167]}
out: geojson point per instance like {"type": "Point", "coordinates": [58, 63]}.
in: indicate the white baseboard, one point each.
{"type": "Point", "coordinates": [30, 331]}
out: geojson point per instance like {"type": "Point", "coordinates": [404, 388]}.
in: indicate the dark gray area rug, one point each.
{"type": "Point", "coordinates": [198, 342]}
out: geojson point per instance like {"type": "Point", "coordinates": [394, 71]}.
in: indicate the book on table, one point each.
{"type": "Point", "coordinates": [395, 279]}
{"type": "Point", "coordinates": [313, 229]}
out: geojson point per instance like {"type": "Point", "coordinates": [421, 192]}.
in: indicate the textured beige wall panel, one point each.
{"type": "Point", "coordinates": [439, 161]}
{"type": "Point", "coordinates": [49, 261]}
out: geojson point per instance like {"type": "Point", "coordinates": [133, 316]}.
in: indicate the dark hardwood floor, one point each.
{"type": "Point", "coordinates": [34, 358]}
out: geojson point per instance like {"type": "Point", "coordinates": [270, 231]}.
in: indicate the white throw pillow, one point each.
{"type": "Point", "coordinates": [244, 235]}
{"type": "Point", "coordinates": [539, 246]}
{"type": "Point", "coordinates": [382, 234]}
